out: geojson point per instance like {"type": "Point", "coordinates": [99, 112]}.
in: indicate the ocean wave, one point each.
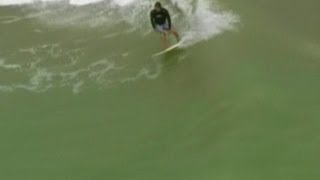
{"type": "Point", "coordinates": [71, 2]}
{"type": "Point", "coordinates": [56, 64]}
{"type": "Point", "coordinates": [196, 20]}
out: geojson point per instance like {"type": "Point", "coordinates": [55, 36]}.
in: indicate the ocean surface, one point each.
{"type": "Point", "coordinates": [82, 98]}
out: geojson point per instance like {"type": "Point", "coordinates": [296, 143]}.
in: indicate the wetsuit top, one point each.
{"type": "Point", "coordinates": [160, 17]}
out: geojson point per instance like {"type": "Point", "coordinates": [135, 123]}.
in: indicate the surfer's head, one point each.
{"type": "Point", "coordinates": [157, 6]}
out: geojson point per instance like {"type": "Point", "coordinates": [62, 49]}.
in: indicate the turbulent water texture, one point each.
{"type": "Point", "coordinates": [58, 63]}
{"type": "Point", "coordinates": [81, 97]}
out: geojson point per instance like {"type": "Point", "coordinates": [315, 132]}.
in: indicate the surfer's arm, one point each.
{"type": "Point", "coordinates": [152, 20]}
{"type": "Point", "coordinates": [168, 18]}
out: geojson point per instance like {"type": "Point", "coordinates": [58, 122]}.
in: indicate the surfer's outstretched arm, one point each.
{"type": "Point", "coordinates": [152, 20]}
{"type": "Point", "coordinates": [168, 18]}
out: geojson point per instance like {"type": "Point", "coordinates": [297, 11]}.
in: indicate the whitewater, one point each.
{"type": "Point", "coordinates": [198, 19]}
{"type": "Point", "coordinates": [101, 20]}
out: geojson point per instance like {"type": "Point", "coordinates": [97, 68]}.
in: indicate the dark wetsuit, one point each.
{"type": "Point", "coordinates": [160, 18]}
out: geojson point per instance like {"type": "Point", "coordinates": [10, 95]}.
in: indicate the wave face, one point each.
{"type": "Point", "coordinates": [197, 19]}
{"type": "Point", "coordinates": [99, 21]}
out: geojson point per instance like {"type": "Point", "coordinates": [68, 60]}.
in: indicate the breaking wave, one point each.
{"type": "Point", "coordinates": [196, 20]}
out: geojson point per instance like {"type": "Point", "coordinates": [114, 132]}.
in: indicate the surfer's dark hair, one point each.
{"type": "Point", "coordinates": [158, 4]}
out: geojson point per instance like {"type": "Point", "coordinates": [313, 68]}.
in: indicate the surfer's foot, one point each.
{"type": "Point", "coordinates": [176, 35]}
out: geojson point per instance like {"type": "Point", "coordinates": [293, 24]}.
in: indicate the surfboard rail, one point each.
{"type": "Point", "coordinates": [167, 50]}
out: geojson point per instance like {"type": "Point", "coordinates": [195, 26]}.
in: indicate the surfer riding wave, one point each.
{"type": "Point", "coordinates": [161, 22]}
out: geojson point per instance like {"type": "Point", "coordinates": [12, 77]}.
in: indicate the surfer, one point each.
{"type": "Point", "coordinates": [161, 22]}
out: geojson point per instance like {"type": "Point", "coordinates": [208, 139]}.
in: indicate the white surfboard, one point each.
{"type": "Point", "coordinates": [167, 50]}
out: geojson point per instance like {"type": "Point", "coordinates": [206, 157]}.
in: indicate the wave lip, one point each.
{"type": "Point", "coordinates": [83, 2]}
{"type": "Point", "coordinates": [22, 2]}
{"type": "Point", "coordinates": [14, 2]}
{"type": "Point", "coordinates": [71, 2]}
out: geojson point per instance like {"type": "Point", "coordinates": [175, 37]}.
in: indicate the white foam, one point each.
{"type": "Point", "coordinates": [40, 81]}
{"type": "Point", "coordinates": [83, 2]}
{"type": "Point", "coordinates": [111, 35]}
{"type": "Point", "coordinates": [41, 76]}
{"type": "Point", "coordinates": [196, 20]}
{"type": "Point", "coordinates": [8, 66]}
{"type": "Point", "coordinates": [123, 2]}
{"type": "Point", "coordinates": [71, 2]}
{"type": "Point", "coordinates": [5, 88]}
{"type": "Point", "coordinates": [9, 19]}
{"type": "Point", "coordinates": [14, 2]}
{"type": "Point", "coordinates": [144, 73]}
{"type": "Point", "coordinates": [21, 2]}
{"type": "Point", "coordinates": [77, 87]}
{"type": "Point", "coordinates": [204, 22]}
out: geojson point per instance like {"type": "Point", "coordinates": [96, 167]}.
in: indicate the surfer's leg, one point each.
{"type": "Point", "coordinates": [165, 37]}
{"type": "Point", "coordinates": [171, 30]}
{"type": "Point", "coordinates": [164, 40]}
{"type": "Point", "coordinates": [175, 33]}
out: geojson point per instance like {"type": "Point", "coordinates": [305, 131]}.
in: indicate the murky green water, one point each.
{"type": "Point", "coordinates": [81, 97]}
